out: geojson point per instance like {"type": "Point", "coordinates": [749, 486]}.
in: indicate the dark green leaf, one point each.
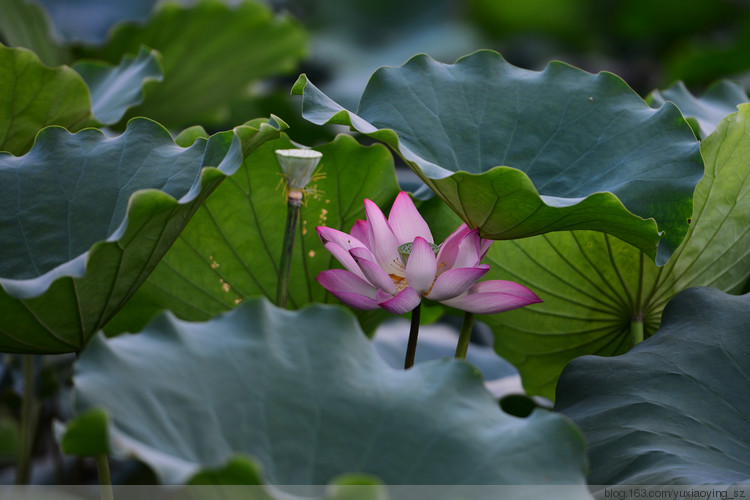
{"type": "Point", "coordinates": [518, 153]}
{"type": "Point", "coordinates": [305, 393]}
{"type": "Point", "coordinates": [674, 409]}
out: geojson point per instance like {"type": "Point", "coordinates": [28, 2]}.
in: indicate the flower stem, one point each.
{"type": "Point", "coordinates": [287, 250]}
{"type": "Point", "coordinates": [27, 425]}
{"type": "Point", "coordinates": [411, 347]}
{"type": "Point", "coordinates": [465, 336]}
{"type": "Point", "coordinates": [636, 331]}
{"type": "Point", "coordinates": [105, 479]}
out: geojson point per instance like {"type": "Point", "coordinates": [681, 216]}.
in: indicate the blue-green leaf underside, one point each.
{"type": "Point", "coordinates": [305, 393]}
{"type": "Point", "coordinates": [674, 409]}
{"type": "Point", "coordinates": [114, 89]}
{"type": "Point", "coordinates": [721, 99]}
{"type": "Point", "coordinates": [581, 151]}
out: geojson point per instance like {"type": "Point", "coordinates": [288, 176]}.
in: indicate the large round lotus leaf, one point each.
{"type": "Point", "coordinates": [85, 218]}
{"type": "Point", "coordinates": [305, 393]}
{"type": "Point", "coordinates": [673, 410]}
{"type": "Point", "coordinates": [599, 292]}
{"type": "Point", "coordinates": [574, 150]}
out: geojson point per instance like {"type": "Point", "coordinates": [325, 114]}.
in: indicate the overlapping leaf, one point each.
{"type": "Point", "coordinates": [674, 409]}
{"type": "Point", "coordinates": [705, 112]}
{"type": "Point", "coordinates": [114, 89]}
{"type": "Point", "coordinates": [85, 218]}
{"type": "Point", "coordinates": [33, 96]}
{"type": "Point", "coordinates": [574, 150]}
{"type": "Point", "coordinates": [598, 291]}
{"type": "Point", "coordinates": [231, 248]}
{"type": "Point", "coordinates": [241, 43]}
{"type": "Point", "coordinates": [305, 394]}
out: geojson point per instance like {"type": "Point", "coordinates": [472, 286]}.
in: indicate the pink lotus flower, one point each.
{"type": "Point", "coordinates": [392, 263]}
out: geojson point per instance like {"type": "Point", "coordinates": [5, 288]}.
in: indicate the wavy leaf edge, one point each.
{"type": "Point", "coordinates": [328, 112]}
{"type": "Point", "coordinates": [76, 267]}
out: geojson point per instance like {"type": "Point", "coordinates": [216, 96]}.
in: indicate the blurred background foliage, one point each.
{"type": "Point", "coordinates": [649, 43]}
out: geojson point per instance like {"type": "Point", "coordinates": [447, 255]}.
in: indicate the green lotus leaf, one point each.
{"type": "Point", "coordinates": [721, 99]}
{"type": "Point", "coordinates": [86, 218]}
{"type": "Point", "coordinates": [243, 43]}
{"type": "Point", "coordinates": [114, 89]}
{"type": "Point", "coordinates": [305, 393]}
{"type": "Point", "coordinates": [599, 292]}
{"type": "Point", "coordinates": [34, 96]}
{"type": "Point", "coordinates": [231, 248]}
{"type": "Point", "coordinates": [674, 409]}
{"type": "Point", "coordinates": [577, 151]}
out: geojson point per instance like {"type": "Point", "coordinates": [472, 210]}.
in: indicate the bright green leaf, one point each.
{"type": "Point", "coordinates": [597, 289]}
{"type": "Point", "coordinates": [33, 96]}
{"type": "Point", "coordinates": [114, 89]}
{"type": "Point", "coordinates": [86, 218]}
{"type": "Point", "coordinates": [187, 137]}
{"type": "Point", "coordinates": [674, 409]}
{"type": "Point", "coordinates": [575, 150]}
{"type": "Point", "coordinates": [231, 248]}
{"type": "Point", "coordinates": [305, 393]}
